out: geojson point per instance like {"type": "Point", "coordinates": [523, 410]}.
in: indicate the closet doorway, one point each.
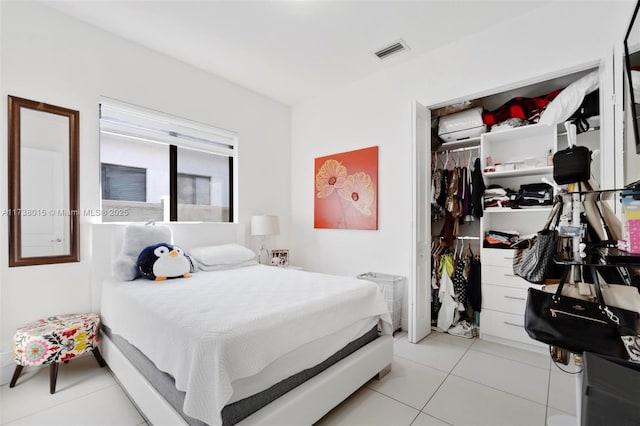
{"type": "Point", "coordinates": [600, 137]}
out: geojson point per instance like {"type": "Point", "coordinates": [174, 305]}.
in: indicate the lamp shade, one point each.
{"type": "Point", "coordinates": [265, 225]}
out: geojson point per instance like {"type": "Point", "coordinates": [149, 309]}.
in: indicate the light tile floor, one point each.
{"type": "Point", "coordinates": [449, 380]}
{"type": "Point", "coordinates": [85, 395]}
{"type": "Point", "coordinates": [443, 380]}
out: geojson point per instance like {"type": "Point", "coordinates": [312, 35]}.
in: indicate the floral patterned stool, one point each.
{"type": "Point", "coordinates": [54, 340]}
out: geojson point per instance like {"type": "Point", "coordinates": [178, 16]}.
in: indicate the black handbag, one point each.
{"type": "Point", "coordinates": [578, 325]}
{"type": "Point", "coordinates": [572, 165]}
{"type": "Point", "coordinates": [533, 259]}
{"type": "Point", "coordinates": [589, 107]}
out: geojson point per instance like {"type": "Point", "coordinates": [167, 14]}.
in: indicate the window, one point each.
{"type": "Point", "coordinates": [155, 166]}
{"type": "Point", "coordinates": [193, 189]}
{"type": "Point", "coordinates": [123, 182]}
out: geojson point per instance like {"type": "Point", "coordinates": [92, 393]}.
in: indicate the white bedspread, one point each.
{"type": "Point", "coordinates": [217, 327]}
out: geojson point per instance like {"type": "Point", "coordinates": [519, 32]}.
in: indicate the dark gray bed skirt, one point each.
{"type": "Point", "coordinates": [235, 412]}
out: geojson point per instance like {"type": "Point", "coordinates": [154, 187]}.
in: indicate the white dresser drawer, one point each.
{"type": "Point", "coordinates": [501, 275]}
{"type": "Point", "coordinates": [497, 257]}
{"type": "Point", "coordinates": [506, 326]}
{"type": "Point", "coordinates": [504, 299]}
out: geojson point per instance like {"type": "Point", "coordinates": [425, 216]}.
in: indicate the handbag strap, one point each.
{"type": "Point", "coordinates": [556, 212]}
{"type": "Point", "coordinates": [605, 225]}
{"type": "Point", "coordinates": [629, 337]}
{"type": "Point", "coordinates": [611, 317]}
{"type": "Point", "coordinates": [563, 280]}
{"type": "Point", "coordinates": [596, 285]}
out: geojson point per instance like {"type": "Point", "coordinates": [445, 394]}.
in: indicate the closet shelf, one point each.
{"type": "Point", "coordinates": [517, 211]}
{"type": "Point", "coordinates": [594, 125]}
{"type": "Point", "coordinates": [518, 133]}
{"type": "Point", "coordinates": [520, 172]}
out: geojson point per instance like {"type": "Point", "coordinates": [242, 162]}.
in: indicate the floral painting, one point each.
{"type": "Point", "coordinates": [346, 190]}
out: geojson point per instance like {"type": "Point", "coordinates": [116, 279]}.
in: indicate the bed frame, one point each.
{"type": "Point", "coordinates": [305, 404]}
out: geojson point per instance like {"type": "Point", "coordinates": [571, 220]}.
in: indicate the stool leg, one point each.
{"type": "Point", "coordinates": [99, 358]}
{"type": "Point", "coordinates": [16, 374]}
{"type": "Point", "coordinates": [53, 376]}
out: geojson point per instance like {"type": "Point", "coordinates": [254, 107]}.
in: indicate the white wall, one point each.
{"type": "Point", "coordinates": [377, 111]}
{"type": "Point", "coordinates": [49, 57]}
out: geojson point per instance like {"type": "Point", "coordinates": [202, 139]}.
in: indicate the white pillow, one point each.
{"type": "Point", "coordinates": [225, 254]}
{"type": "Point", "coordinates": [569, 100]}
{"type": "Point", "coordinates": [207, 268]}
{"type": "Point", "coordinates": [137, 237]}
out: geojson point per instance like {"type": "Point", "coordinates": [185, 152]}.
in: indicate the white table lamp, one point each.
{"type": "Point", "coordinates": [263, 226]}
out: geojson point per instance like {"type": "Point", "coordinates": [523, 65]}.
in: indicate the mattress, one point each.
{"type": "Point", "coordinates": [242, 408]}
{"type": "Point", "coordinates": [213, 330]}
{"type": "Point", "coordinates": [299, 359]}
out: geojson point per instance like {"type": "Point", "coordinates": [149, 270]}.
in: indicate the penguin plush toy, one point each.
{"type": "Point", "coordinates": [161, 261]}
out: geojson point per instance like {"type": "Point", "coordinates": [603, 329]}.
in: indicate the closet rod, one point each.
{"type": "Point", "coordinates": [458, 237]}
{"type": "Point", "coordinates": [466, 148]}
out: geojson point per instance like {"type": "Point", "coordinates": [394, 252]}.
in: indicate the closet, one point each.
{"type": "Point", "coordinates": [508, 158]}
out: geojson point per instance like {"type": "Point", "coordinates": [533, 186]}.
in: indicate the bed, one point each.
{"type": "Point", "coordinates": [292, 346]}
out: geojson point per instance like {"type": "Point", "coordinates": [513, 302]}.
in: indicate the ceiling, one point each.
{"type": "Point", "coordinates": [292, 50]}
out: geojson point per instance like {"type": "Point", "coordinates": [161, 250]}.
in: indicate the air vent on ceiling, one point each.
{"type": "Point", "coordinates": [392, 49]}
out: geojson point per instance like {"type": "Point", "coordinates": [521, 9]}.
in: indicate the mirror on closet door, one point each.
{"type": "Point", "coordinates": [43, 183]}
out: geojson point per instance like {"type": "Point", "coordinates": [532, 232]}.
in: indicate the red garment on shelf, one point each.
{"type": "Point", "coordinates": [519, 107]}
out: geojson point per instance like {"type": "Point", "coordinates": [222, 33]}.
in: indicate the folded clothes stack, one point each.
{"type": "Point", "coordinates": [535, 195]}
{"type": "Point", "coordinates": [509, 123]}
{"type": "Point", "coordinates": [497, 196]}
{"type": "Point", "coordinates": [500, 239]}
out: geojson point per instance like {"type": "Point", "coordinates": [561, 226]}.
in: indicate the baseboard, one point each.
{"type": "Point", "coordinates": [404, 324]}
{"type": "Point", "coordinates": [7, 366]}
{"type": "Point", "coordinates": [533, 347]}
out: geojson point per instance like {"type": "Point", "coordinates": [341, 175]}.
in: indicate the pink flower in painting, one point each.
{"type": "Point", "coordinates": [358, 189]}
{"type": "Point", "coordinates": [331, 175]}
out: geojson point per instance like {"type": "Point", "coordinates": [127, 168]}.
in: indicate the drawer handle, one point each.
{"type": "Point", "coordinates": [510, 275]}
{"type": "Point", "coordinates": [514, 298]}
{"type": "Point", "coordinates": [508, 258]}
{"type": "Point", "coordinates": [513, 324]}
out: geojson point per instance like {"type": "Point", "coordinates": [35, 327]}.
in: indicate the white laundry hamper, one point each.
{"type": "Point", "coordinates": [392, 288]}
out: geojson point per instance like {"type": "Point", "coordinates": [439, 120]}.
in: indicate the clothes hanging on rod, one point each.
{"type": "Point", "coordinates": [474, 282]}
{"type": "Point", "coordinates": [453, 198]}
{"type": "Point", "coordinates": [460, 283]}
{"type": "Point", "coordinates": [465, 184]}
{"type": "Point", "coordinates": [437, 209]}
{"type": "Point", "coordinates": [455, 279]}
{"type": "Point", "coordinates": [452, 186]}
{"type": "Point", "coordinates": [448, 311]}
{"type": "Point", "coordinates": [455, 283]}
{"type": "Point", "coordinates": [477, 189]}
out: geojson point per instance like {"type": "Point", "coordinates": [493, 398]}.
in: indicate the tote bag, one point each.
{"type": "Point", "coordinates": [533, 259]}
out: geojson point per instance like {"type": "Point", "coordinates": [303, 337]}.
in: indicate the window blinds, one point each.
{"type": "Point", "coordinates": [135, 122]}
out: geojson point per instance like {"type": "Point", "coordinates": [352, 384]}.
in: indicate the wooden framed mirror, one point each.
{"type": "Point", "coordinates": [43, 183]}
